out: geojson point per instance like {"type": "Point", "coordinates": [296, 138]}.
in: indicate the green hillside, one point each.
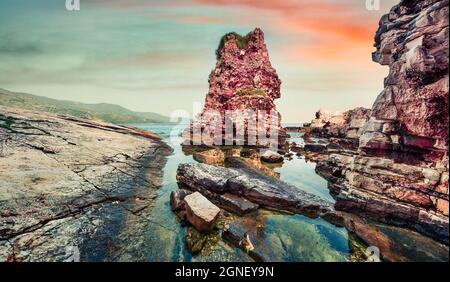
{"type": "Point", "coordinates": [107, 112]}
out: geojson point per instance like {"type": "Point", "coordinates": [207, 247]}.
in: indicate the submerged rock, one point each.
{"type": "Point", "coordinates": [195, 241]}
{"type": "Point", "coordinates": [200, 212]}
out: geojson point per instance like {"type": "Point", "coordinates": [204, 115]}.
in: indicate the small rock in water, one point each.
{"type": "Point", "coordinates": [195, 241]}
{"type": "Point", "coordinates": [200, 212]}
{"type": "Point", "coordinates": [271, 157]}
{"type": "Point", "coordinates": [176, 199]}
{"type": "Point", "coordinates": [213, 156]}
{"type": "Point", "coordinates": [246, 243]}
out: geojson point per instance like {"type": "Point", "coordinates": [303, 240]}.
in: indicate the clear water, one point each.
{"type": "Point", "coordinates": [280, 237]}
{"type": "Point", "coordinates": [290, 237]}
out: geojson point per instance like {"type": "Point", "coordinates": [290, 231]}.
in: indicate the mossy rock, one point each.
{"type": "Point", "coordinates": [241, 41]}
{"type": "Point", "coordinates": [251, 91]}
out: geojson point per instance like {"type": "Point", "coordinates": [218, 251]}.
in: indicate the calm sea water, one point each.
{"type": "Point", "coordinates": [287, 237]}
{"type": "Point", "coordinates": [291, 237]}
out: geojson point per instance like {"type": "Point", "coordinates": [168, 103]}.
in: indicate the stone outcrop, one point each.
{"type": "Point", "coordinates": [67, 184]}
{"type": "Point", "coordinates": [339, 124]}
{"type": "Point", "coordinates": [243, 79]}
{"type": "Point", "coordinates": [200, 212]}
{"type": "Point", "coordinates": [246, 182]}
{"type": "Point", "coordinates": [386, 191]}
{"type": "Point", "coordinates": [411, 113]}
{"type": "Point", "coordinates": [400, 173]}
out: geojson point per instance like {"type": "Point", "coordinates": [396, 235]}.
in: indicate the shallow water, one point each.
{"type": "Point", "coordinates": [290, 237]}
{"type": "Point", "coordinates": [278, 236]}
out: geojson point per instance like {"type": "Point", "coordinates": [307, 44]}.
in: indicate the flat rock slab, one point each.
{"type": "Point", "coordinates": [236, 204]}
{"type": "Point", "coordinates": [200, 212]}
{"type": "Point", "coordinates": [252, 185]}
{"type": "Point", "coordinates": [67, 174]}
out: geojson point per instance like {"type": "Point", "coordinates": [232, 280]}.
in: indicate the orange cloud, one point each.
{"type": "Point", "coordinates": [332, 27]}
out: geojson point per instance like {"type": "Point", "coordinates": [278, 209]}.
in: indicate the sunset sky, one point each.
{"type": "Point", "coordinates": [156, 55]}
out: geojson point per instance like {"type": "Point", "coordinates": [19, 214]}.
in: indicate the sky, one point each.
{"type": "Point", "coordinates": [156, 55]}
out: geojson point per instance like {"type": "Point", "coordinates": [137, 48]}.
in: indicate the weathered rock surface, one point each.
{"type": "Point", "coordinates": [243, 79]}
{"type": "Point", "coordinates": [271, 157]}
{"type": "Point", "coordinates": [411, 113]}
{"type": "Point", "coordinates": [236, 204]}
{"type": "Point", "coordinates": [62, 177]}
{"type": "Point", "coordinates": [252, 185]}
{"type": "Point", "coordinates": [399, 175]}
{"type": "Point", "coordinates": [389, 192]}
{"type": "Point", "coordinates": [177, 199]}
{"type": "Point", "coordinates": [212, 156]}
{"type": "Point", "coordinates": [200, 212]}
{"type": "Point", "coordinates": [339, 124]}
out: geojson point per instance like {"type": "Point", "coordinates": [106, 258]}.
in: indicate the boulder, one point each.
{"type": "Point", "coordinates": [213, 156]}
{"type": "Point", "coordinates": [177, 199]}
{"type": "Point", "coordinates": [271, 157]}
{"type": "Point", "coordinates": [200, 212]}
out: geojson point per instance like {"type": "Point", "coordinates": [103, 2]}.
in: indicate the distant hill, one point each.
{"type": "Point", "coordinates": [107, 112]}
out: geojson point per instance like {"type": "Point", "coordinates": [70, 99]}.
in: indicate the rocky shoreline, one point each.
{"type": "Point", "coordinates": [243, 191]}
{"type": "Point", "coordinates": [68, 182]}
{"type": "Point", "coordinates": [390, 162]}
{"type": "Point", "coordinates": [387, 164]}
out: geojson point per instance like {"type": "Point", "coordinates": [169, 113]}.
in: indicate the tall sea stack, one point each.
{"type": "Point", "coordinates": [243, 79]}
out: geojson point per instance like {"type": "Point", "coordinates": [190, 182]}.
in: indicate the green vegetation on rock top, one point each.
{"type": "Point", "coordinates": [240, 40]}
{"type": "Point", "coordinates": [251, 91]}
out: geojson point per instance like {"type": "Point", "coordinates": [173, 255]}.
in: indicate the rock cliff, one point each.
{"type": "Point", "coordinates": [400, 173]}
{"type": "Point", "coordinates": [411, 113]}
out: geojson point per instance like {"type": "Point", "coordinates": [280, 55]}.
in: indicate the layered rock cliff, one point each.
{"type": "Point", "coordinates": [411, 113]}
{"type": "Point", "coordinates": [243, 79]}
{"type": "Point", "coordinates": [400, 173]}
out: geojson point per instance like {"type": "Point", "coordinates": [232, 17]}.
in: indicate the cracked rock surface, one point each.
{"type": "Point", "coordinates": [68, 186]}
